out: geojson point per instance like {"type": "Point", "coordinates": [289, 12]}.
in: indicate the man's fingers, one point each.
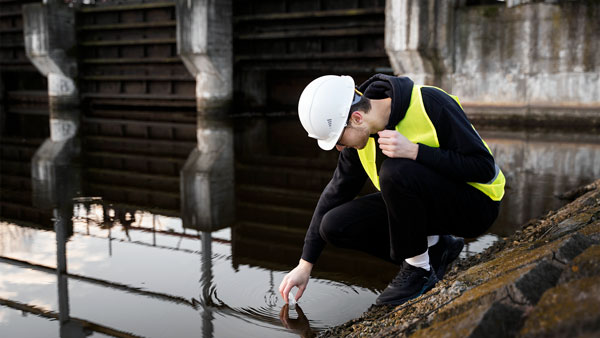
{"type": "Point", "coordinates": [386, 133]}
{"type": "Point", "coordinates": [383, 140]}
{"type": "Point", "coordinates": [282, 288]}
{"type": "Point", "coordinates": [300, 292]}
{"type": "Point", "coordinates": [387, 140]}
{"type": "Point", "coordinates": [286, 292]}
{"type": "Point", "coordinates": [282, 284]}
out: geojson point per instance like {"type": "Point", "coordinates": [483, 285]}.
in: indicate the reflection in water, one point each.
{"type": "Point", "coordinates": [300, 325]}
{"type": "Point", "coordinates": [63, 226]}
{"type": "Point", "coordinates": [538, 167]}
{"type": "Point", "coordinates": [149, 265]}
{"type": "Point", "coordinates": [206, 284]}
{"type": "Point", "coordinates": [128, 271]}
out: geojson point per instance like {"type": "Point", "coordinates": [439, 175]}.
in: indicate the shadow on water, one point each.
{"type": "Point", "coordinates": [100, 268]}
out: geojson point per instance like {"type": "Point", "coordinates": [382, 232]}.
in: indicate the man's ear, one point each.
{"type": "Point", "coordinates": [357, 117]}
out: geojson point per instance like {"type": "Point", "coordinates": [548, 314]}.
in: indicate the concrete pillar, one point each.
{"type": "Point", "coordinates": [204, 43]}
{"type": "Point", "coordinates": [49, 32]}
{"type": "Point", "coordinates": [419, 39]}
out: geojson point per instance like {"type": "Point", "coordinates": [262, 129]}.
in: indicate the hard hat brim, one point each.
{"type": "Point", "coordinates": [329, 143]}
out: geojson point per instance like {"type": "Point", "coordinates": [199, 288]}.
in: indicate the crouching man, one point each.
{"type": "Point", "coordinates": [434, 174]}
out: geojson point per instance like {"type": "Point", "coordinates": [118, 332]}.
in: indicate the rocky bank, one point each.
{"type": "Point", "coordinates": [544, 281]}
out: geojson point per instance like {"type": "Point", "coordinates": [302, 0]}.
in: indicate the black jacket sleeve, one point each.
{"type": "Point", "coordinates": [462, 154]}
{"type": "Point", "coordinates": [347, 181]}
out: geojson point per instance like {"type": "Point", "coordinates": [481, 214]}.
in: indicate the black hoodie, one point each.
{"type": "Point", "coordinates": [462, 156]}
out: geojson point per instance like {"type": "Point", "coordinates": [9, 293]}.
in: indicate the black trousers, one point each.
{"type": "Point", "coordinates": [414, 202]}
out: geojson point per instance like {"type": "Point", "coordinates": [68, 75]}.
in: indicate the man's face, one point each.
{"type": "Point", "coordinates": [353, 136]}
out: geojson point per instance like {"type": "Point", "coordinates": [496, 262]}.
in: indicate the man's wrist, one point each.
{"type": "Point", "coordinates": [305, 265]}
{"type": "Point", "coordinates": [415, 151]}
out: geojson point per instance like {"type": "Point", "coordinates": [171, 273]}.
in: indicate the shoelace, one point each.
{"type": "Point", "coordinates": [402, 277]}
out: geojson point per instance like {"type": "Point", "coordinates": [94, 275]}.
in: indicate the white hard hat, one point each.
{"type": "Point", "coordinates": [324, 106]}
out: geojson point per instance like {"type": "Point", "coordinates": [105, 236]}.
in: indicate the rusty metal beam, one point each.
{"type": "Point", "coordinates": [145, 115]}
{"type": "Point", "coordinates": [10, 14]}
{"type": "Point", "coordinates": [310, 14]}
{"type": "Point", "coordinates": [11, 30]}
{"type": "Point", "coordinates": [311, 56]}
{"type": "Point", "coordinates": [134, 25]}
{"type": "Point", "coordinates": [102, 282]}
{"type": "Point", "coordinates": [130, 42]}
{"type": "Point", "coordinates": [142, 123]}
{"type": "Point", "coordinates": [131, 60]}
{"type": "Point", "coordinates": [145, 103]}
{"type": "Point", "coordinates": [142, 142]}
{"type": "Point", "coordinates": [55, 316]}
{"type": "Point", "coordinates": [343, 32]}
{"type": "Point", "coordinates": [139, 96]}
{"type": "Point", "coordinates": [121, 7]}
{"type": "Point", "coordinates": [134, 77]}
{"type": "Point", "coordinates": [41, 111]}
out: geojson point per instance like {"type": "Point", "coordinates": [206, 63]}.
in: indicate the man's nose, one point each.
{"type": "Point", "coordinates": [339, 147]}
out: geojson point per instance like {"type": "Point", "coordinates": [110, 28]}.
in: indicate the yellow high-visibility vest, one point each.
{"type": "Point", "coordinates": [417, 127]}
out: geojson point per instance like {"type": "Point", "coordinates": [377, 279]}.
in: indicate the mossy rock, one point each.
{"type": "Point", "coordinates": [587, 264]}
{"type": "Point", "coordinates": [568, 310]}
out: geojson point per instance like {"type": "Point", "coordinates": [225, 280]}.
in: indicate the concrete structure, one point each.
{"type": "Point", "coordinates": [537, 60]}
{"type": "Point", "coordinates": [204, 42]}
{"type": "Point", "coordinates": [419, 39]}
{"type": "Point", "coordinates": [49, 32]}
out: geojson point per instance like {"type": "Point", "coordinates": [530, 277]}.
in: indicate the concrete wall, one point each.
{"type": "Point", "coordinates": [517, 54]}
{"type": "Point", "coordinates": [533, 53]}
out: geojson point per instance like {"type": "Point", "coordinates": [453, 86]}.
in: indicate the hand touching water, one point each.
{"type": "Point", "coordinates": [395, 145]}
{"type": "Point", "coordinates": [298, 277]}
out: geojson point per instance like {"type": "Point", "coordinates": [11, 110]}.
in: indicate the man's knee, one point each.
{"type": "Point", "coordinates": [330, 227]}
{"type": "Point", "coordinates": [399, 172]}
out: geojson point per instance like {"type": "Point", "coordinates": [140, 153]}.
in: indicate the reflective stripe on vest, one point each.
{"type": "Point", "coordinates": [417, 127]}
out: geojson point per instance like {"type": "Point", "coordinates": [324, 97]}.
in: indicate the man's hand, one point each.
{"type": "Point", "coordinates": [300, 325]}
{"type": "Point", "coordinates": [395, 145]}
{"type": "Point", "coordinates": [298, 278]}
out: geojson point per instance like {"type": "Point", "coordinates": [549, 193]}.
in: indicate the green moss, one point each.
{"type": "Point", "coordinates": [460, 325]}
{"type": "Point", "coordinates": [483, 295]}
{"type": "Point", "coordinates": [490, 11]}
{"type": "Point", "coordinates": [591, 229]}
{"type": "Point", "coordinates": [570, 305]}
{"type": "Point", "coordinates": [508, 261]}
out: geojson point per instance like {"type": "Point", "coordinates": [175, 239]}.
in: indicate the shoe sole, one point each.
{"type": "Point", "coordinates": [428, 286]}
{"type": "Point", "coordinates": [449, 256]}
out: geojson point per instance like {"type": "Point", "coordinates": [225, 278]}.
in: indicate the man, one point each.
{"type": "Point", "coordinates": [434, 173]}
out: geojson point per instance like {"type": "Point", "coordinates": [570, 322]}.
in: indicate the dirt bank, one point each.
{"type": "Point", "coordinates": [542, 281]}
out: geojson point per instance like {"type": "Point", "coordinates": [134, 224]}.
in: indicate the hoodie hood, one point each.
{"type": "Point", "coordinates": [399, 89]}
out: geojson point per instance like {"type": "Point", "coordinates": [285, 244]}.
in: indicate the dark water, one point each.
{"type": "Point", "coordinates": [111, 270]}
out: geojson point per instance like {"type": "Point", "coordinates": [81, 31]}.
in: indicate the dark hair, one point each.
{"type": "Point", "coordinates": [364, 104]}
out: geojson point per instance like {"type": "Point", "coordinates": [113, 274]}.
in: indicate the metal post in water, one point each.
{"type": "Point", "coordinates": [62, 206]}
{"type": "Point", "coordinates": [206, 282]}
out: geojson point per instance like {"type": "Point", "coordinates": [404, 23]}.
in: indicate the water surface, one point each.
{"type": "Point", "coordinates": [100, 269]}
